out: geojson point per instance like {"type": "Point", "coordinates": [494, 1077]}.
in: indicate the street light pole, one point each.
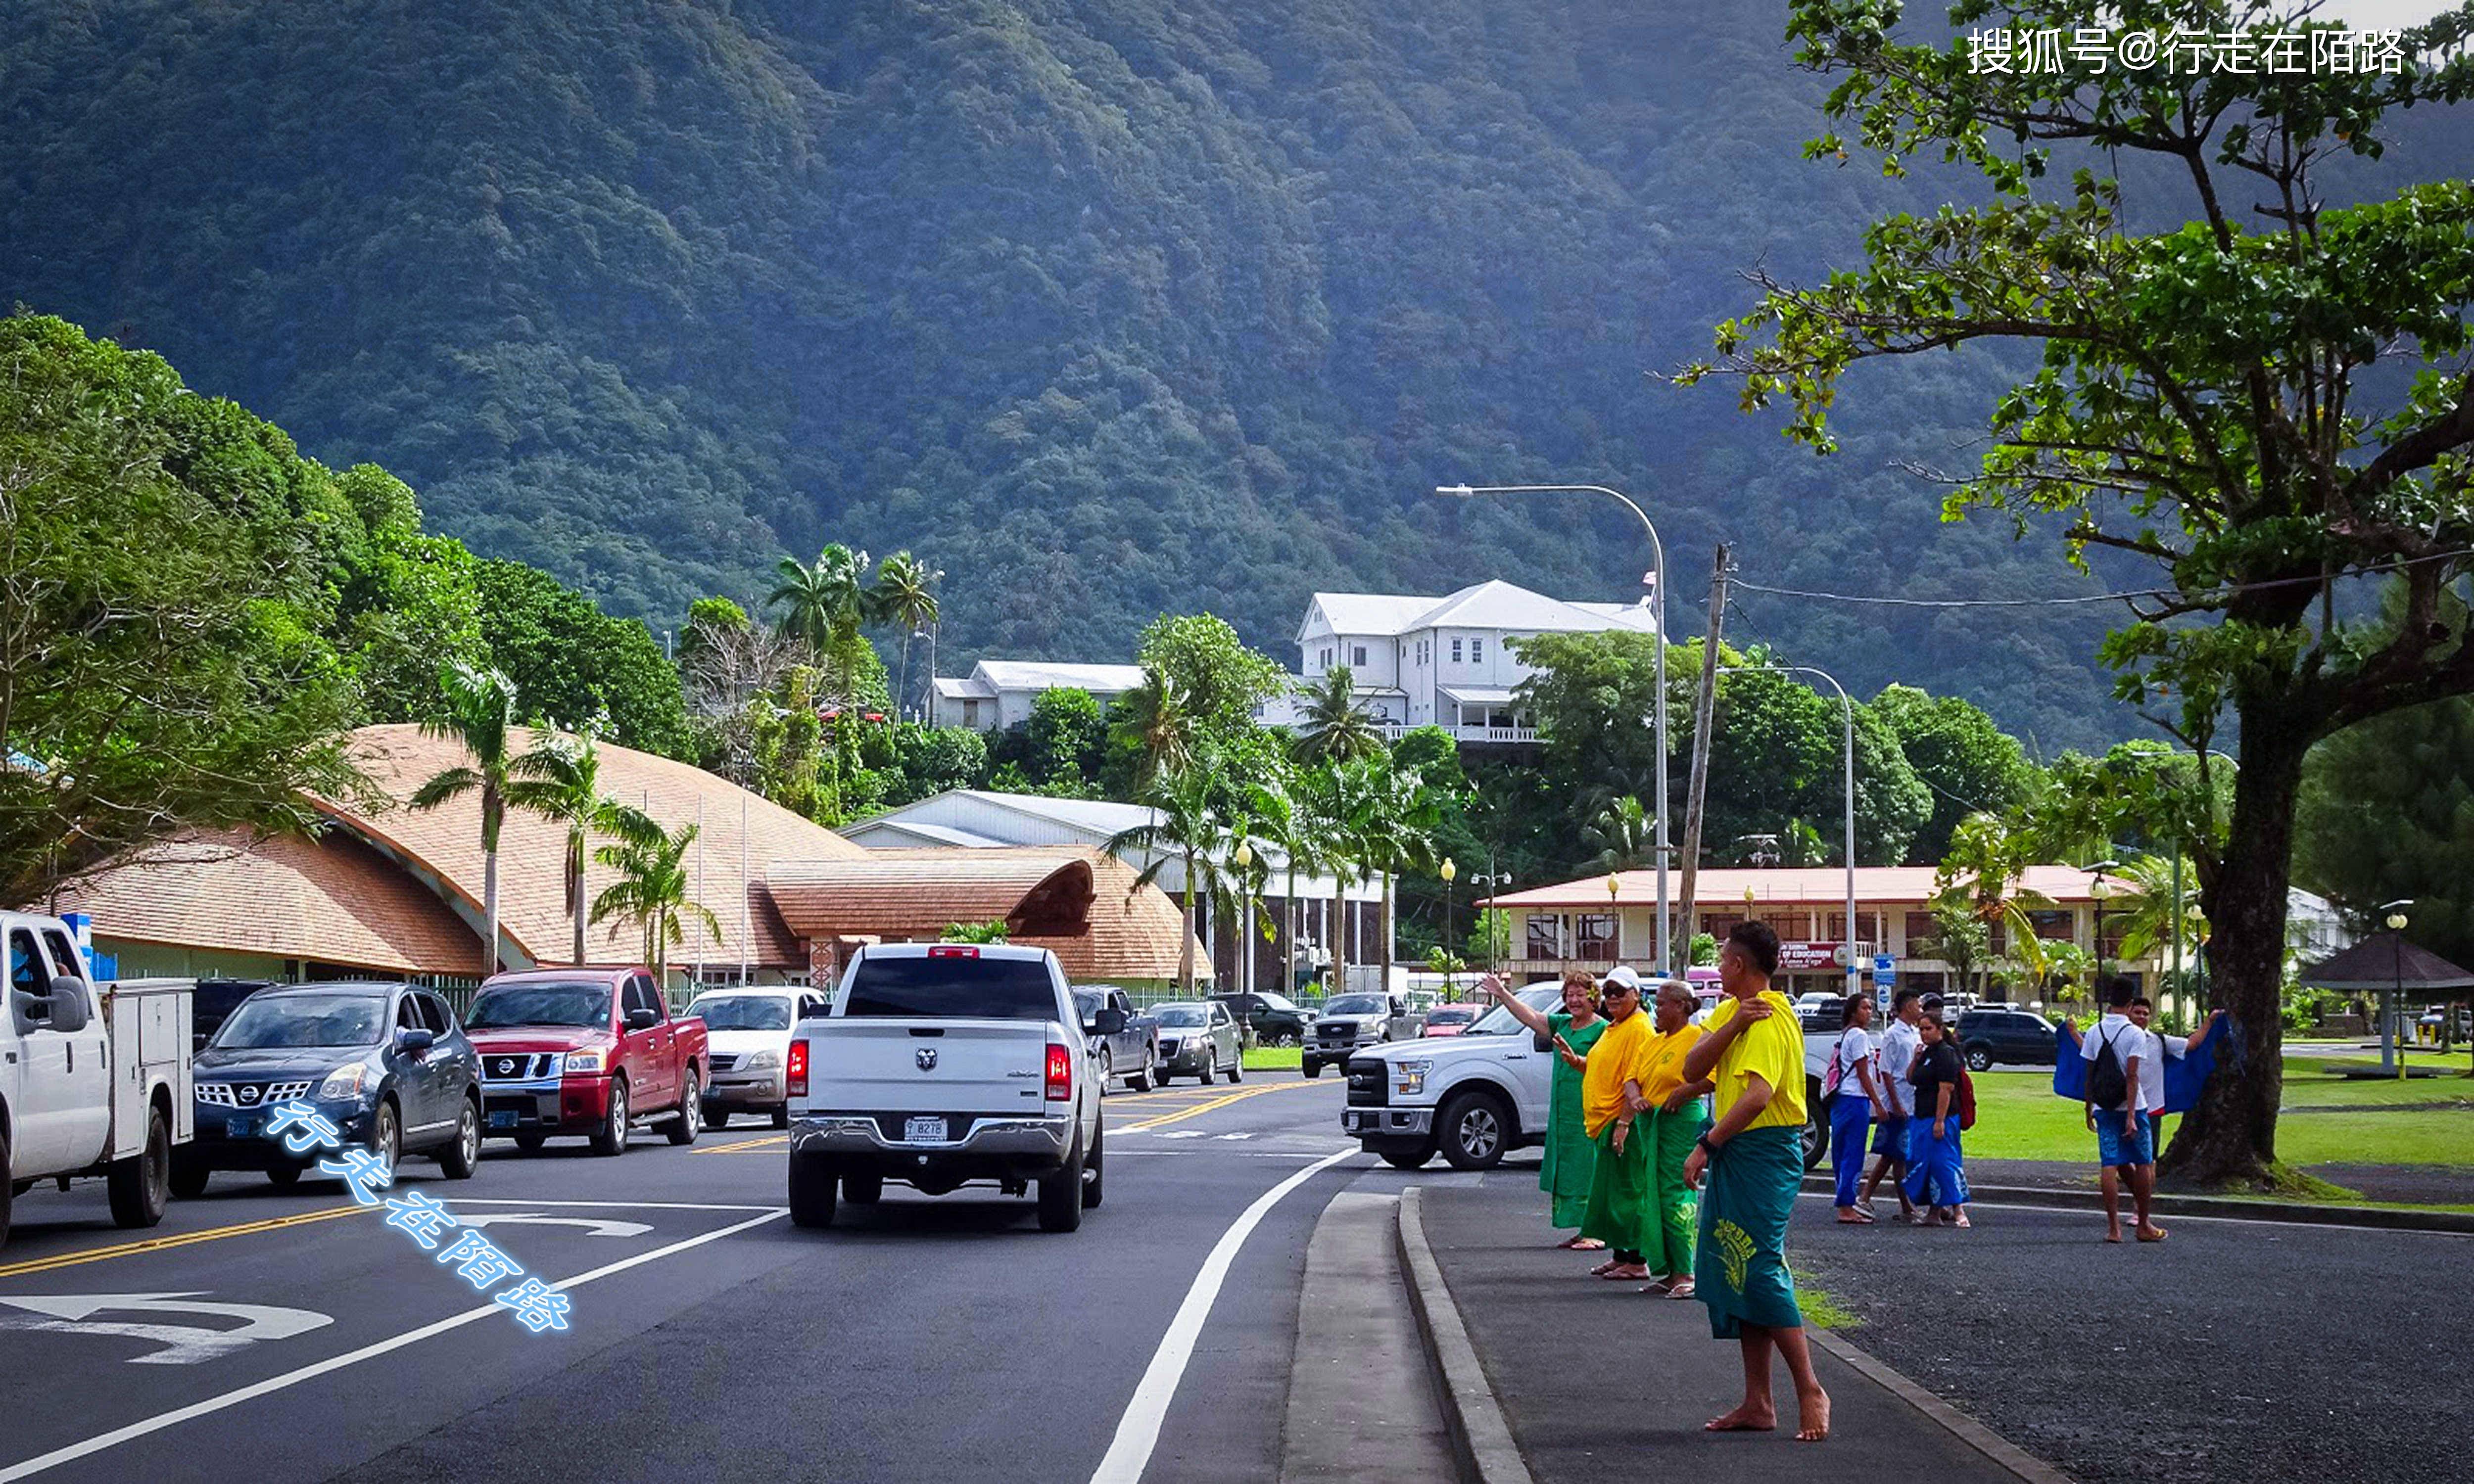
{"type": "Point", "coordinates": [1448, 871]}
{"type": "Point", "coordinates": [1657, 599]}
{"type": "Point", "coordinates": [2099, 889]}
{"type": "Point", "coordinates": [1847, 711]}
{"type": "Point", "coordinates": [2389, 1026]}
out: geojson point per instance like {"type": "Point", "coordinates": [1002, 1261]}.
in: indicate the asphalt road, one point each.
{"type": "Point", "coordinates": [941, 1338]}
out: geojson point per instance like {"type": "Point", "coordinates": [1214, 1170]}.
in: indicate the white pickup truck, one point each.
{"type": "Point", "coordinates": [1474, 1096]}
{"type": "Point", "coordinates": [940, 1064]}
{"type": "Point", "coordinates": [94, 1080]}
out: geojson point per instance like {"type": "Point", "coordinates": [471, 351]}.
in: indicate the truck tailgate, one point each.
{"type": "Point", "coordinates": [984, 1067]}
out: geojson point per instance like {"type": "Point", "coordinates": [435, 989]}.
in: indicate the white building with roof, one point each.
{"type": "Point", "coordinates": [1446, 661]}
{"type": "Point", "coordinates": [998, 693]}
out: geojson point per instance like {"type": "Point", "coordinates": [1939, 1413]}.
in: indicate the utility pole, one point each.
{"type": "Point", "coordinates": [1686, 918]}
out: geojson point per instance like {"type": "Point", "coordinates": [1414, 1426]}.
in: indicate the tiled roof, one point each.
{"type": "Point", "coordinates": [532, 892]}
{"type": "Point", "coordinates": [1124, 931]}
{"type": "Point", "coordinates": [331, 900]}
{"type": "Point", "coordinates": [1714, 890]}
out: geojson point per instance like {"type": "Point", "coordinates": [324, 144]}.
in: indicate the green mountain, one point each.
{"type": "Point", "coordinates": [1105, 307]}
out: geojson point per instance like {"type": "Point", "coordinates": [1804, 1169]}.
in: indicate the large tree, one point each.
{"type": "Point", "coordinates": [164, 611]}
{"type": "Point", "coordinates": [1966, 762]}
{"type": "Point", "coordinates": [2204, 401]}
{"type": "Point", "coordinates": [572, 662]}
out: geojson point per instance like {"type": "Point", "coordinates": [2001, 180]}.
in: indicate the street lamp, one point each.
{"type": "Point", "coordinates": [1447, 871]}
{"type": "Point", "coordinates": [1847, 707]}
{"type": "Point", "coordinates": [1658, 723]}
{"type": "Point", "coordinates": [2390, 1023]}
{"type": "Point", "coordinates": [2101, 888]}
{"type": "Point", "coordinates": [1494, 882]}
{"type": "Point", "coordinates": [1242, 858]}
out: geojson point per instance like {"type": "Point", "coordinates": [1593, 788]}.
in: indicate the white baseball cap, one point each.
{"type": "Point", "coordinates": [1621, 974]}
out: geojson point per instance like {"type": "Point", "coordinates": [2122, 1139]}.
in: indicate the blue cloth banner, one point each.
{"type": "Point", "coordinates": [2184, 1075]}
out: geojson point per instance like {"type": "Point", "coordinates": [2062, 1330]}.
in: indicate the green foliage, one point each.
{"type": "Point", "coordinates": [1967, 762]}
{"type": "Point", "coordinates": [973, 932]}
{"type": "Point", "coordinates": [1490, 937]}
{"type": "Point", "coordinates": [2387, 813]}
{"type": "Point", "coordinates": [1703, 950]}
{"type": "Point", "coordinates": [651, 892]}
{"type": "Point", "coordinates": [1333, 723]}
{"type": "Point", "coordinates": [405, 602]}
{"type": "Point", "coordinates": [933, 759]}
{"type": "Point", "coordinates": [164, 570]}
{"type": "Point", "coordinates": [572, 662]}
{"type": "Point", "coordinates": [1221, 679]}
{"type": "Point", "coordinates": [1064, 738]}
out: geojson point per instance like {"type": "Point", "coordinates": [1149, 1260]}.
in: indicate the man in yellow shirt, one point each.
{"type": "Point", "coordinates": [1677, 1115]}
{"type": "Point", "coordinates": [1754, 1155]}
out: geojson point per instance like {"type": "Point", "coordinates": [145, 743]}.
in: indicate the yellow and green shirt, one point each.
{"type": "Point", "coordinates": [1621, 1055]}
{"type": "Point", "coordinates": [1772, 1049]}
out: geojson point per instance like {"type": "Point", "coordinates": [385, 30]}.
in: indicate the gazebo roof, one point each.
{"type": "Point", "coordinates": [2387, 961]}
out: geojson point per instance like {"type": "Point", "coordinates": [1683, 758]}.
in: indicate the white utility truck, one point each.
{"type": "Point", "coordinates": [94, 1078]}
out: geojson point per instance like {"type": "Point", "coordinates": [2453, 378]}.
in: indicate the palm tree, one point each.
{"type": "Point", "coordinates": [481, 715]}
{"type": "Point", "coordinates": [1392, 819]}
{"type": "Point", "coordinates": [652, 892]}
{"type": "Point", "coordinates": [1275, 816]}
{"type": "Point", "coordinates": [2145, 911]}
{"type": "Point", "coordinates": [823, 606]}
{"type": "Point", "coordinates": [1158, 717]}
{"type": "Point", "coordinates": [1183, 827]}
{"type": "Point", "coordinates": [1324, 801]}
{"type": "Point", "coordinates": [1621, 832]}
{"type": "Point", "coordinates": [905, 597]}
{"type": "Point", "coordinates": [1334, 725]}
{"type": "Point", "coordinates": [560, 780]}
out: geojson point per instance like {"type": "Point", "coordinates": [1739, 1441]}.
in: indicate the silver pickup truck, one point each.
{"type": "Point", "coordinates": [941, 1063]}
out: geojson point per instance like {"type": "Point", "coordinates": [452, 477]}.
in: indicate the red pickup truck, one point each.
{"type": "Point", "coordinates": [585, 1051]}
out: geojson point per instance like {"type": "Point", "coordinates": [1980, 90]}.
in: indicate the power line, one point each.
{"type": "Point", "coordinates": [2098, 597]}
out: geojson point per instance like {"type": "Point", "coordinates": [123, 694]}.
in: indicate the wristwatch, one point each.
{"type": "Point", "coordinates": [1706, 1146]}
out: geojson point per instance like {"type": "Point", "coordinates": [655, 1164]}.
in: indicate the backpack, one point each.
{"type": "Point", "coordinates": [1835, 1073]}
{"type": "Point", "coordinates": [2108, 1085]}
{"type": "Point", "coordinates": [1965, 1099]}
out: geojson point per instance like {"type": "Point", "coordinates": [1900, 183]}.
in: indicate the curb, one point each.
{"type": "Point", "coordinates": [2166, 1203]}
{"type": "Point", "coordinates": [2000, 1450]}
{"type": "Point", "coordinates": [1481, 1441]}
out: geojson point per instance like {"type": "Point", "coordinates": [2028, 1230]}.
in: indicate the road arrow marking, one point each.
{"type": "Point", "coordinates": [593, 1225]}
{"type": "Point", "coordinates": [71, 1313]}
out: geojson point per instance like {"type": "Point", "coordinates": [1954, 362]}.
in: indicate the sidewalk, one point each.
{"type": "Point", "coordinates": [1599, 1381]}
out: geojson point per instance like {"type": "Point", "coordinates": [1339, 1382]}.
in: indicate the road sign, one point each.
{"type": "Point", "coordinates": [184, 1344]}
{"type": "Point", "coordinates": [1885, 971]}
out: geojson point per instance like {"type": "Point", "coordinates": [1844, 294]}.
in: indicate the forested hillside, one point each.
{"type": "Point", "coordinates": [1105, 307]}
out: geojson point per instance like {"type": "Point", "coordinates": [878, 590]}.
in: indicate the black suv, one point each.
{"type": "Point", "coordinates": [1276, 1020]}
{"type": "Point", "coordinates": [2001, 1033]}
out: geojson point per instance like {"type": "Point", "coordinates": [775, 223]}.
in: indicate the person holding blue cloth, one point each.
{"type": "Point", "coordinates": [1855, 1097]}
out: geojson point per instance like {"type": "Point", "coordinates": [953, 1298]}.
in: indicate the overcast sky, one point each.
{"type": "Point", "coordinates": [2383, 15]}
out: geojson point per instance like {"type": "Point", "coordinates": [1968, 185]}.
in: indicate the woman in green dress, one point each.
{"type": "Point", "coordinates": [1570, 1155]}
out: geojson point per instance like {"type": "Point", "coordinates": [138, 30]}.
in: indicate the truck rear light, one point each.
{"type": "Point", "coordinates": [795, 1072]}
{"type": "Point", "coordinates": [953, 950]}
{"type": "Point", "coordinates": [1061, 1075]}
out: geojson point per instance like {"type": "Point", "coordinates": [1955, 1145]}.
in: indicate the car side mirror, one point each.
{"type": "Point", "coordinates": [1109, 1022]}
{"type": "Point", "coordinates": [68, 1003]}
{"type": "Point", "coordinates": [414, 1042]}
{"type": "Point", "coordinates": [641, 1019]}
{"type": "Point", "coordinates": [1543, 1042]}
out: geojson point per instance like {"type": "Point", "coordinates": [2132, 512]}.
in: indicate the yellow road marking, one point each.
{"type": "Point", "coordinates": [69, 1259]}
{"type": "Point", "coordinates": [744, 1143]}
{"type": "Point", "coordinates": [1183, 1113]}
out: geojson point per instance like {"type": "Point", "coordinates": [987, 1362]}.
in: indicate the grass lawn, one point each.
{"type": "Point", "coordinates": [1272, 1059]}
{"type": "Point", "coordinates": [2018, 1118]}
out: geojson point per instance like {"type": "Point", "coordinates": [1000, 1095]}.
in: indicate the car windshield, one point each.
{"type": "Point", "coordinates": [744, 1012]}
{"type": "Point", "coordinates": [1278, 1002]}
{"type": "Point", "coordinates": [1449, 1014]}
{"type": "Point", "coordinates": [1498, 1021]}
{"type": "Point", "coordinates": [1356, 1005]}
{"type": "Point", "coordinates": [584, 1005]}
{"type": "Point", "coordinates": [1186, 1016]}
{"type": "Point", "coordinates": [270, 1020]}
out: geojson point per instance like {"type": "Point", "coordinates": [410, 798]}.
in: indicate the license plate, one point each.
{"type": "Point", "coordinates": [241, 1126]}
{"type": "Point", "coordinates": [503, 1118]}
{"type": "Point", "coordinates": [923, 1131]}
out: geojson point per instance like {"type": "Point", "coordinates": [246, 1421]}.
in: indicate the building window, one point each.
{"type": "Point", "coordinates": [1545, 938]}
{"type": "Point", "coordinates": [1456, 651]}
{"type": "Point", "coordinates": [1921, 928]}
{"type": "Point", "coordinates": [1477, 651]}
{"type": "Point", "coordinates": [1593, 935]}
{"type": "Point", "coordinates": [2055, 927]}
{"type": "Point", "coordinates": [1357, 656]}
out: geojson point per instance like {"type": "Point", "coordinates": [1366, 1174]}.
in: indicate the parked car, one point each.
{"type": "Point", "coordinates": [586, 1051]}
{"type": "Point", "coordinates": [1998, 1033]}
{"type": "Point", "coordinates": [1132, 1053]}
{"type": "Point", "coordinates": [941, 1063]}
{"type": "Point", "coordinates": [1347, 1023]}
{"type": "Point", "coordinates": [94, 1079]}
{"type": "Point", "coordinates": [1199, 1038]}
{"type": "Point", "coordinates": [748, 1032]}
{"type": "Point", "coordinates": [1448, 1021]}
{"type": "Point", "coordinates": [384, 1062]}
{"type": "Point", "coordinates": [1277, 1019]}
{"type": "Point", "coordinates": [213, 1003]}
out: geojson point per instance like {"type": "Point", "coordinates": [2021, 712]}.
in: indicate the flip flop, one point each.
{"type": "Point", "coordinates": [2160, 1236]}
{"type": "Point", "coordinates": [1659, 1286]}
{"type": "Point", "coordinates": [1604, 1268]}
{"type": "Point", "coordinates": [1682, 1290]}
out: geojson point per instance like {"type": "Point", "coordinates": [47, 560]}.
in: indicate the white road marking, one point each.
{"type": "Point", "coordinates": [101, 1441]}
{"type": "Point", "coordinates": [1181, 1133]}
{"type": "Point", "coordinates": [592, 1225]}
{"type": "Point", "coordinates": [478, 1200]}
{"type": "Point", "coordinates": [184, 1345]}
{"type": "Point", "coordinates": [1138, 1430]}
{"type": "Point", "coordinates": [1233, 1136]}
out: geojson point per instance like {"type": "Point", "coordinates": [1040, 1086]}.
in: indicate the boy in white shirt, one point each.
{"type": "Point", "coordinates": [1896, 1053]}
{"type": "Point", "coordinates": [2124, 1141]}
{"type": "Point", "coordinates": [2152, 1075]}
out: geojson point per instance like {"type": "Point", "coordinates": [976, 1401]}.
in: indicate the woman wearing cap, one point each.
{"type": "Point", "coordinates": [1611, 1080]}
{"type": "Point", "coordinates": [1570, 1157]}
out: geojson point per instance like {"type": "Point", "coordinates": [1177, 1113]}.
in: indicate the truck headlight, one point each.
{"type": "Point", "coordinates": [1410, 1077]}
{"type": "Point", "coordinates": [763, 1061]}
{"type": "Point", "coordinates": [575, 1061]}
{"type": "Point", "coordinates": [346, 1080]}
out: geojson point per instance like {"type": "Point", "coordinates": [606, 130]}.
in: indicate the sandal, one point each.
{"type": "Point", "coordinates": [1962, 1221]}
{"type": "Point", "coordinates": [1604, 1268]}
{"type": "Point", "coordinates": [1659, 1286]}
{"type": "Point", "coordinates": [1582, 1244]}
{"type": "Point", "coordinates": [1682, 1290]}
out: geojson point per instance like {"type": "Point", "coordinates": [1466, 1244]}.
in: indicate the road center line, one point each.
{"type": "Point", "coordinates": [290, 1379]}
{"type": "Point", "coordinates": [1204, 1108]}
{"type": "Point", "coordinates": [1138, 1430]}
{"type": "Point", "coordinates": [70, 1259]}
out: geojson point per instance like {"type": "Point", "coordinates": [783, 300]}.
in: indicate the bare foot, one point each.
{"type": "Point", "coordinates": [1812, 1414]}
{"type": "Point", "coordinates": [1751, 1417]}
{"type": "Point", "coordinates": [2152, 1235]}
{"type": "Point", "coordinates": [2113, 1235]}
{"type": "Point", "coordinates": [1962, 1220]}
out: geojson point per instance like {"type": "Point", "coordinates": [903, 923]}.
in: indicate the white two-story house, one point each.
{"type": "Point", "coordinates": [1446, 661]}
{"type": "Point", "coordinates": [998, 693]}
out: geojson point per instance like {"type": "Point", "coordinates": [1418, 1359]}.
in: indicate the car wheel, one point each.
{"type": "Point", "coordinates": [462, 1155]}
{"type": "Point", "coordinates": [1475, 1128]}
{"type": "Point", "coordinates": [1061, 1197]}
{"type": "Point", "coordinates": [1817, 1125]}
{"type": "Point", "coordinates": [1141, 1081]}
{"type": "Point", "coordinates": [812, 1192]}
{"type": "Point", "coordinates": [684, 1129]}
{"type": "Point", "coordinates": [284, 1177]}
{"type": "Point", "coordinates": [1210, 1066]}
{"type": "Point", "coordinates": [386, 1135]}
{"type": "Point", "coordinates": [718, 1118]}
{"type": "Point", "coordinates": [531, 1143]}
{"type": "Point", "coordinates": [1313, 1068]}
{"type": "Point", "coordinates": [863, 1190]}
{"type": "Point", "coordinates": [140, 1184]}
{"type": "Point", "coordinates": [1093, 1176]}
{"type": "Point", "coordinates": [1980, 1059]}
{"type": "Point", "coordinates": [781, 1118]}
{"type": "Point", "coordinates": [1286, 1039]}
{"type": "Point", "coordinates": [1107, 1069]}
{"type": "Point", "coordinates": [612, 1138]}
{"type": "Point", "coordinates": [8, 1189]}
{"type": "Point", "coordinates": [189, 1178]}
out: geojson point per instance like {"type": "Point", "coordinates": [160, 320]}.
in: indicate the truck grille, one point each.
{"type": "Point", "coordinates": [724, 1060]}
{"type": "Point", "coordinates": [250, 1094]}
{"type": "Point", "coordinates": [1368, 1087]}
{"type": "Point", "coordinates": [518, 1066]}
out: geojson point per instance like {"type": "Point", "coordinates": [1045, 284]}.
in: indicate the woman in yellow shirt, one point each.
{"type": "Point", "coordinates": [1677, 1114]}
{"type": "Point", "coordinates": [1611, 1080]}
